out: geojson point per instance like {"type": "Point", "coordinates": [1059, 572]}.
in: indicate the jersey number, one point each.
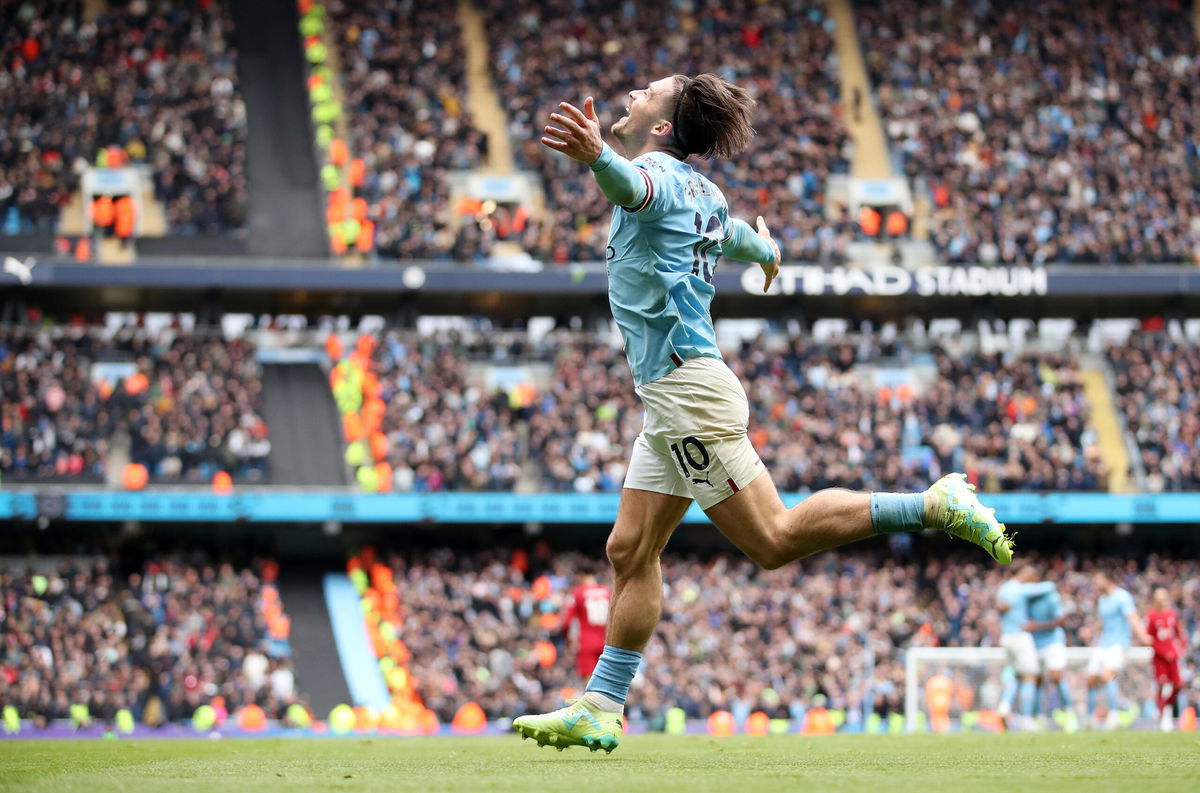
{"type": "Point", "coordinates": [597, 609]}
{"type": "Point", "coordinates": [693, 452]}
{"type": "Point", "coordinates": [711, 233]}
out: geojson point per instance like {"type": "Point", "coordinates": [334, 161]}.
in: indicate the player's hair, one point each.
{"type": "Point", "coordinates": [712, 116]}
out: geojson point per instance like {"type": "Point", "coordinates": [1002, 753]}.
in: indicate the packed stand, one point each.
{"type": "Point", "coordinates": [442, 432]}
{"type": "Point", "coordinates": [191, 405]}
{"type": "Point", "coordinates": [145, 83]}
{"type": "Point", "coordinates": [403, 67]}
{"type": "Point", "coordinates": [1047, 132]}
{"type": "Point", "coordinates": [547, 52]}
{"type": "Point", "coordinates": [733, 637]}
{"type": "Point", "coordinates": [1158, 395]}
{"type": "Point", "coordinates": [175, 634]}
{"type": "Point", "coordinates": [1011, 422]}
{"type": "Point", "coordinates": [55, 421]}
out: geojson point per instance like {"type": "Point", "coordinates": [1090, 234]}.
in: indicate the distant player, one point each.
{"type": "Point", "coordinates": [1169, 643]}
{"type": "Point", "coordinates": [1019, 648]}
{"type": "Point", "coordinates": [670, 227]}
{"type": "Point", "coordinates": [589, 610]}
{"type": "Point", "coordinates": [1119, 625]}
{"type": "Point", "coordinates": [1047, 615]}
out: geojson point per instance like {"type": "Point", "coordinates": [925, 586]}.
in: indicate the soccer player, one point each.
{"type": "Point", "coordinates": [1118, 625]}
{"type": "Point", "coordinates": [669, 228]}
{"type": "Point", "coordinates": [1168, 641]}
{"type": "Point", "coordinates": [1019, 649]}
{"type": "Point", "coordinates": [1046, 619]}
{"type": "Point", "coordinates": [588, 608]}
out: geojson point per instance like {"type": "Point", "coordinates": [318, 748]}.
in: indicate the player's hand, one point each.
{"type": "Point", "coordinates": [577, 133]}
{"type": "Point", "coordinates": [770, 269]}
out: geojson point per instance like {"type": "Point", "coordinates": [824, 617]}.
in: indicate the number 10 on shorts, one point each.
{"type": "Point", "coordinates": [693, 459]}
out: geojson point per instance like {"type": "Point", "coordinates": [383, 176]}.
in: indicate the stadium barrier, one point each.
{"type": "Point", "coordinates": [269, 505]}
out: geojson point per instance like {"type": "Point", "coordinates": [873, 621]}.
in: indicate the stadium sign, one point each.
{"type": "Point", "coordinates": [945, 281]}
{"type": "Point", "coordinates": [589, 278]}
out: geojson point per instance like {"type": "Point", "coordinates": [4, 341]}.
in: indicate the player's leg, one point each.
{"type": "Point", "coordinates": [645, 522]}
{"type": "Point", "coordinates": [698, 417]}
{"type": "Point", "coordinates": [649, 511]}
{"type": "Point", "coordinates": [1094, 669]}
{"type": "Point", "coordinates": [755, 519]}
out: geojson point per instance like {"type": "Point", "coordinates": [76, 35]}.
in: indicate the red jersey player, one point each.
{"type": "Point", "coordinates": [1168, 640]}
{"type": "Point", "coordinates": [589, 607]}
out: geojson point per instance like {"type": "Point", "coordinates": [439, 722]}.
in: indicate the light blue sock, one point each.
{"type": "Point", "coordinates": [1064, 695]}
{"type": "Point", "coordinates": [1113, 693]}
{"type": "Point", "coordinates": [1009, 695]}
{"type": "Point", "coordinates": [1093, 695]}
{"type": "Point", "coordinates": [897, 512]}
{"type": "Point", "coordinates": [614, 672]}
{"type": "Point", "coordinates": [1026, 697]}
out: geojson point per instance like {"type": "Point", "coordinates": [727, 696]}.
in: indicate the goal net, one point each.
{"type": "Point", "coordinates": [973, 680]}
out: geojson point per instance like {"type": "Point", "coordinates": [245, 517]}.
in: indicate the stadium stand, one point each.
{"type": "Point", "coordinates": [404, 80]}
{"type": "Point", "coordinates": [176, 633]}
{"type": "Point", "coordinates": [1045, 132]}
{"type": "Point", "coordinates": [142, 83]}
{"type": "Point", "coordinates": [855, 413]}
{"type": "Point", "coordinates": [544, 54]}
{"type": "Point", "coordinates": [1157, 383]}
{"type": "Point", "coordinates": [191, 406]}
{"type": "Point", "coordinates": [733, 637]}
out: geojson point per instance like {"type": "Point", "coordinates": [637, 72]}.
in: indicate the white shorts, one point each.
{"type": "Point", "coordinates": [1053, 658]}
{"type": "Point", "coordinates": [694, 442]}
{"type": "Point", "coordinates": [1110, 659]}
{"type": "Point", "coordinates": [1020, 653]}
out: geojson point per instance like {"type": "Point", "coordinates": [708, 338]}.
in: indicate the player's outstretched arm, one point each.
{"type": "Point", "coordinates": [578, 136]}
{"type": "Point", "coordinates": [746, 245]}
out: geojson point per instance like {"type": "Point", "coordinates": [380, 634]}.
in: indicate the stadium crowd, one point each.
{"type": "Point", "coordinates": [443, 433]}
{"type": "Point", "coordinates": [547, 52]}
{"type": "Point", "coordinates": [191, 405]}
{"type": "Point", "coordinates": [142, 83]}
{"type": "Point", "coordinates": [176, 633]}
{"type": "Point", "coordinates": [404, 72]}
{"type": "Point", "coordinates": [1158, 395]}
{"type": "Point", "coordinates": [829, 630]}
{"type": "Point", "coordinates": [1012, 422]}
{"type": "Point", "coordinates": [1046, 131]}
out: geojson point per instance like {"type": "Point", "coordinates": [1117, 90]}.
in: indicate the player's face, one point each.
{"type": "Point", "coordinates": [648, 108]}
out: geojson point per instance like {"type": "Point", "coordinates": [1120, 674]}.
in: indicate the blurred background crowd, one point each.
{"type": "Point", "coordinates": [160, 641]}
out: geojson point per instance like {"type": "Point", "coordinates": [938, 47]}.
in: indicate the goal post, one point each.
{"type": "Point", "coordinates": [978, 676]}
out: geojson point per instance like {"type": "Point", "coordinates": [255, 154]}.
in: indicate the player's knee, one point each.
{"type": "Point", "coordinates": [770, 556]}
{"type": "Point", "coordinates": [628, 553]}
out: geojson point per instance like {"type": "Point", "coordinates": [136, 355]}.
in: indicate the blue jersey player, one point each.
{"type": "Point", "coordinates": [1119, 624]}
{"type": "Point", "coordinates": [670, 228]}
{"type": "Point", "coordinates": [1047, 615]}
{"type": "Point", "coordinates": [1019, 649]}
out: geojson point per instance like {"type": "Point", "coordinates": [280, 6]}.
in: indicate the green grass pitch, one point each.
{"type": "Point", "coordinates": [1087, 762]}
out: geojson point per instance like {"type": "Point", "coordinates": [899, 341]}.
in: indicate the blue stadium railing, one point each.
{"type": "Point", "coordinates": [266, 505]}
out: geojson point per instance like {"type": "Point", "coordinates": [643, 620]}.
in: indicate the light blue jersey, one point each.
{"type": "Point", "coordinates": [1114, 610]}
{"type": "Point", "coordinates": [661, 258]}
{"type": "Point", "coordinates": [1016, 595]}
{"type": "Point", "coordinates": [1047, 608]}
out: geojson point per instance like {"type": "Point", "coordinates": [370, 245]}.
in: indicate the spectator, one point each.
{"type": "Point", "coordinates": [1046, 132]}
{"type": "Point", "coordinates": [174, 636]}
{"type": "Point", "coordinates": [151, 83]}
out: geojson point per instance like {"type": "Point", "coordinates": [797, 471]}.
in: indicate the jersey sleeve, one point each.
{"type": "Point", "coordinates": [1127, 607]}
{"type": "Point", "coordinates": [1041, 588]}
{"type": "Point", "coordinates": [658, 187]}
